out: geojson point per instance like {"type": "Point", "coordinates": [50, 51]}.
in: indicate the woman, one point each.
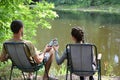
{"type": "Point", "coordinates": [78, 37]}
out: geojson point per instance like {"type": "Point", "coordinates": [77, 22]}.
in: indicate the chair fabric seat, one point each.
{"type": "Point", "coordinates": [82, 60]}
{"type": "Point", "coordinates": [19, 58]}
{"type": "Point", "coordinates": [31, 69]}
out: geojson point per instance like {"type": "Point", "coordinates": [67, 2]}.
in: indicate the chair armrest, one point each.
{"type": "Point", "coordinates": [99, 56]}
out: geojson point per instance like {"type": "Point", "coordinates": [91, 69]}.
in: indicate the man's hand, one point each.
{"type": "Point", "coordinates": [39, 58]}
{"type": "Point", "coordinates": [47, 48]}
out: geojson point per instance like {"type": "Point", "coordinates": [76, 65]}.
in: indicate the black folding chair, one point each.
{"type": "Point", "coordinates": [17, 54]}
{"type": "Point", "coordinates": [82, 60]}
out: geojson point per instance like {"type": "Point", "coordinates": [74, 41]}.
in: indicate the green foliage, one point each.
{"type": "Point", "coordinates": [5, 68]}
{"type": "Point", "coordinates": [85, 3]}
{"type": "Point", "coordinates": [109, 70]}
{"type": "Point", "coordinates": [31, 15]}
{"type": "Point", "coordinates": [106, 2]}
{"type": "Point", "coordinates": [72, 2]}
{"type": "Point", "coordinates": [60, 71]}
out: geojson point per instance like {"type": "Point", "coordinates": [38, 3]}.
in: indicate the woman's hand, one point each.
{"type": "Point", "coordinates": [56, 47]}
{"type": "Point", "coordinates": [47, 48]}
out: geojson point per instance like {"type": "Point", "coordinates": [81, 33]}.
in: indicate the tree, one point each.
{"type": "Point", "coordinates": [31, 15]}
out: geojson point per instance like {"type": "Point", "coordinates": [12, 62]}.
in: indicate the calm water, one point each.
{"type": "Point", "coordinates": [100, 29]}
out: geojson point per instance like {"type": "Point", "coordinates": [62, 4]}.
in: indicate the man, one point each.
{"type": "Point", "coordinates": [47, 54]}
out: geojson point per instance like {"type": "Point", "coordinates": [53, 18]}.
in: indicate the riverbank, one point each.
{"type": "Point", "coordinates": [112, 9]}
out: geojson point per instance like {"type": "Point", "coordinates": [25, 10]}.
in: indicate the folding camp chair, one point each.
{"type": "Point", "coordinates": [80, 60]}
{"type": "Point", "coordinates": [17, 54]}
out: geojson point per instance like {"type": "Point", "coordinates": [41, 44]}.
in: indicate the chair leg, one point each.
{"type": "Point", "coordinates": [91, 78]}
{"type": "Point", "coordinates": [70, 76]}
{"type": "Point", "coordinates": [11, 72]}
{"type": "Point", "coordinates": [99, 75]}
{"type": "Point", "coordinates": [82, 78]}
{"type": "Point", "coordinates": [23, 75]}
{"type": "Point", "coordinates": [99, 70]}
{"type": "Point", "coordinates": [66, 74]}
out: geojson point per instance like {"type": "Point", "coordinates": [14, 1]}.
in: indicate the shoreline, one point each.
{"type": "Point", "coordinates": [99, 9]}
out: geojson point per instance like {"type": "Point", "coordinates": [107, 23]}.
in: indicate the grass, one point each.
{"type": "Point", "coordinates": [59, 74]}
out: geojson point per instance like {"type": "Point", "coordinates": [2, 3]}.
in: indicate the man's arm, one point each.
{"type": "Point", "coordinates": [2, 58]}
{"type": "Point", "coordinates": [4, 55]}
{"type": "Point", "coordinates": [39, 58]}
{"type": "Point", "coordinates": [36, 54]}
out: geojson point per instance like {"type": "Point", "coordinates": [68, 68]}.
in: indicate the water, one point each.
{"type": "Point", "coordinates": [101, 29]}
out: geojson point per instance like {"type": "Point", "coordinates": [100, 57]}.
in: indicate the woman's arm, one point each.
{"type": "Point", "coordinates": [61, 59]}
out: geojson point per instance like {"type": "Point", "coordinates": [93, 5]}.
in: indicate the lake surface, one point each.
{"type": "Point", "coordinates": [101, 29]}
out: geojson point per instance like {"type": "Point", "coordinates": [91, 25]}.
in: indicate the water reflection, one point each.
{"type": "Point", "coordinates": [100, 29]}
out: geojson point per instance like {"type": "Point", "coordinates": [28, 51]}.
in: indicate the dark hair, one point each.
{"type": "Point", "coordinates": [16, 25]}
{"type": "Point", "coordinates": [78, 34]}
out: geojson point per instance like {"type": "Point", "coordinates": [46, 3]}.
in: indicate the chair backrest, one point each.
{"type": "Point", "coordinates": [81, 57]}
{"type": "Point", "coordinates": [17, 53]}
